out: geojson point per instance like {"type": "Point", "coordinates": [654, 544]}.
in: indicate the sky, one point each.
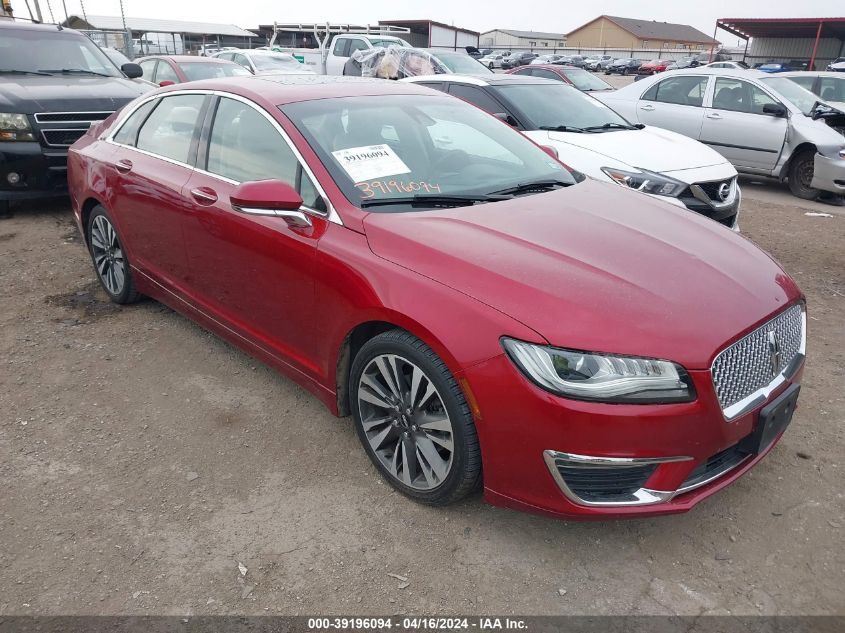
{"type": "Point", "coordinates": [477, 15]}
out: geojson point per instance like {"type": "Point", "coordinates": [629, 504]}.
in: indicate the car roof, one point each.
{"type": "Point", "coordinates": [187, 58]}
{"type": "Point", "coordinates": [33, 26]}
{"type": "Point", "coordinates": [284, 89]}
{"type": "Point", "coordinates": [486, 80]}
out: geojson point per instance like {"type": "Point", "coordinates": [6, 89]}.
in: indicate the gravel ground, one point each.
{"type": "Point", "coordinates": [144, 459]}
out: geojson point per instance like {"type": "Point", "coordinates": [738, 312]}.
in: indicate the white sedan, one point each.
{"type": "Point", "coordinates": [594, 140]}
{"type": "Point", "coordinates": [264, 62]}
{"type": "Point", "coordinates": [493, 60]}
{"type": "Point", "coordinates": [765, 124]}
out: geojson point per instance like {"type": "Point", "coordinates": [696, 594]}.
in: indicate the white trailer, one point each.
{"type": "Point", "coordinates": [337, 42]}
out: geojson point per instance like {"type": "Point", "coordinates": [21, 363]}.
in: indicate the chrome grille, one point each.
{"type": "Point", "coordinates": [712, 188]}
{"type": "Point", "coordinates": [748, 365]}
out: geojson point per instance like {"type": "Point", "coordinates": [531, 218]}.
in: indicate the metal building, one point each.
{"type": "Point", "coordinates": [431, 34]}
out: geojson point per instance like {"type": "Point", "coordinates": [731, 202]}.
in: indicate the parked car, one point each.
{"type": "Point", "coordinates": [593, 139]}
{"type": "Point", "coordinates": [54, 82]}
{"type": "Point", "coordinates": [765, 125]}
{"type": "Point", "coordinates": [492, 60]}
{"type": "Point", "coordinates": [604, 64]}
{"type": "Point", "coordinates": [265, 62]}
{"type": "Point", "coordinates": [828, 86]}
{"type": "Point", "coordinates": [684, 62]}
{"type": "Point", "coordinates": [344, 45]}
{"type": "Point", "coordinates": [578, 77]}
{"type": "Point", "coordinates": [437, 272]}
{"type": "Point", "coordinates": [736, 65]}
{"type": "Point", "coordinates": [165, 70]}
{"type": "Point", "coordinates": [595, 62]}
{"type": "Point", "coordinates": [782, 66]}
{"type": "Point", "coordinates": [575, 60]}
{"type": "Point", "coordinates": [548, 59]}
{"type": "Point", "coordinates": [458, 62]}
{"type": "Point", "coordinates": [654, 66]}
{"type": "Point", "coordinates": [517, 59]}
{"type": "Point", "coordinates": [625, 66]}
{"type": "Point", "coordinates": [837, 65]}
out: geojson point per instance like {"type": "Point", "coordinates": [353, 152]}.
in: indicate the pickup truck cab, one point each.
{"type": "Point", "coordinates": [343, 45]}
{"type": "Point", "coordinates": [54, 84]}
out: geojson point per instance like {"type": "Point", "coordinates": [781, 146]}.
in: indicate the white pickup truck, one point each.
{"type": "Point", "coordinates": [339, 50]}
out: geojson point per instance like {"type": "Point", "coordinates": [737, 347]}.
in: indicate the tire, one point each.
{"type": "Point", "coordinates": [490, 66]}
{"type": "Point", "coordinates": [5, 209]}
{"type": "Point", "coordinates": [110, 262]}
{"type": "Point", "coordinates": [801, 174]}
{"type": "Point", "coordinates": [625, 71]}
{"type": "Point", "coordinates": [393, 362]}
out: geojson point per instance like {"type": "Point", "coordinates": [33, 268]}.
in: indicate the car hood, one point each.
{"type": "Point", "coordinates": [64, 93]}
{"type": "Point", "coordinates": [595, 267]}
{"type": "Point", "coordinates": [651, 148]}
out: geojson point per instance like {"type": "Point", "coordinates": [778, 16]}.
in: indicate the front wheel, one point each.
{"type": "Point", "coordinates": [801, 175]}
{"type": "Point", "coordinates": [412, 419]}
{"type": "Point", "coordinates": [109, 257]}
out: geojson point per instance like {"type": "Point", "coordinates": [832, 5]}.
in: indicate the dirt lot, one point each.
{"type": "Point", "coordinates": [143, 459]}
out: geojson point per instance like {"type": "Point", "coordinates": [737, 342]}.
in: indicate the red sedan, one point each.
{"type": "Point", "coordinates": [582, 79]}
{"type": "Point", "coordinates": [486, 317]}
{"type": "Point", "coordinates": [654, 66]}
{"type": "Point", "coordinates": [166, 70]}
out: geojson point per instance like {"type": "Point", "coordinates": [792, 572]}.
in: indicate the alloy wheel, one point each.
{"type": "Point", "coordinates": [405, 422]}
{"type": "Point", "coordinates": [108, 255]}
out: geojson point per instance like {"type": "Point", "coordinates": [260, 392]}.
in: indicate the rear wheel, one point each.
{"type": "Point", "coordinates": [490, 65]}
{"type": "Point", "coordinates": [801, 175]}
{"type": "Point", "coordinates": [413, 420]}
{"type": "Point", "coordinates": [110, 261]}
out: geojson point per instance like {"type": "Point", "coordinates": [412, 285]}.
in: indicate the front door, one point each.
{"type": "Point", "coordinates": [736, 126]}
{"type": "Point", "coordinates": [254, 273]}
{"type": "Point", "coordinates": [675, 103]}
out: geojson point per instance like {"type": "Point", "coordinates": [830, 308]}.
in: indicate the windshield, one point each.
{"type": "Point", "coordinates": [800, 97]}
{"type": "Point", "coordinates": [386, 147]}
{"type": "Point", "coordinates": [277, 62]}
{"type": "Point", "coordinates": [461, 64]}
{"type": "Point", "coordinates": [390, 41]}
{"type": "Point", "coordinates": [195, 71]}
{"type": "Point", "coordinates": [34, 50]}
{"type": "Point", "coordinates": [586, 81]}
{"type": "Point", "coordinates": [556, 104]}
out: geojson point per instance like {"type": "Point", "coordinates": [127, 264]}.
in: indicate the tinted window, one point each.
{"type": "Point", "coordinates": [555, 104]}
{"type": "Point", "coordinates": [586, 81]}
{"type": "Point", "coordinates": [148, 67]}
{"type": "Point", "coordinates": [545, 74]}
{"type": "Point", "coordinates": [832, 88]}
{"type": "Point", "coordinates": [356, 45]}
{"type": "Point", "coordinates": [739, 96]}
{"type": "Point", "coordinates": [341, 45]}
{"type": "Point", "coordinates": [242, 60]}
{"type": "Point", "coordinates": [52, 50]}
{"type": "Point", "coordinates": [128, 133]}
{"type": "Point", "coordinates": [476, 96]}
{"type": "Point", "coordinates": [165, 72]}
{"type": "Point", "coordinates": [195, 71]}
{"type": "Point", "coordinates": [805, 82]}
{"type": "Point", "coordinates": [168, 131]}
{"type": "Point", "coordinates": [679, 90]}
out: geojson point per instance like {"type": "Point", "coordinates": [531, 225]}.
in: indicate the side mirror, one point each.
{"type": "Point", "coordinates": [270, 197]}
{"type": "Point", "coordinates": [166, 82]}
{"type": "Point", "coordinates": [774, 109]}
{"type": "Point", "coordinates": [132, 70]}
{"type": "Point", "coordinates": [507, 118]}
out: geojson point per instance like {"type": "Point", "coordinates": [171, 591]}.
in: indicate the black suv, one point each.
{"type": "Point", "coordinates": [54, 84]}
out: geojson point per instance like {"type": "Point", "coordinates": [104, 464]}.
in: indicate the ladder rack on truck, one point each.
{"type": "Point", "coordinates": [323, 33]}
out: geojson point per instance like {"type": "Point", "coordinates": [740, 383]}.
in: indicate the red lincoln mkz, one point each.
{"type": "Point", "coordinates": [484, 314]}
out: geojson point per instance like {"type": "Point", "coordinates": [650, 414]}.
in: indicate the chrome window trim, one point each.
{"type": "Point", "coordinates": [331, 214]}
{"type": "Point", "coordinates": [758, 397]}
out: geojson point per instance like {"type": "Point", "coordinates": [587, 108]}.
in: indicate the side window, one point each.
{"type": "Point", "coordinates": [436, 85]}
{"type": "Point", "coordinates": [242, 60]}
{"type": "Point", "coordinates": [227, 56]}
{"type": "Point", "coordinates": [739, 96]}
{"type": "Point", "coordinates": [546, 74]}
{"type": "Point", "coordinates": [476, 97]}
{"type": "Point", "coordinates": [679, 90]}
{"type": "Point", "coordinates": [524, 71]}
{"type": "Point", "coordinates": [149, 67]}
{"type": "Point", "coordinates": [832, 88]}
{"type": "Point", "coordinates": [169, 129]}
{"type": "Point", "coordinates": [341, 46]}
{"type": "Point", "coordinates": [804, 82]}
{"type": "Point", "coordinates": [165, 72]}
{"type": "Point", "coordinates": [356, 45]}
{"type": "Point", "coordinates": [128, 132]}
{"type": "Point", "coordinates": [310, 196]}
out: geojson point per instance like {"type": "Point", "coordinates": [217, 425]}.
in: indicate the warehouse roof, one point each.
{"type": "Point", "coordinates": [115, 23]}
{"type": "Point", "coordinates": [653, 30]}
{"type": "Point", "coordinates": [783, 27]}
{"type": "Point", "coordinates": [540, 35]}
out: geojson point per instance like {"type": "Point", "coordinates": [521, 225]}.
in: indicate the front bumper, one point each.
{"type": "Point", "coordinates": [524, 431]}
{"type": "Point", "coordinates": [42, 172]}
{"type": "Point", "coordinates": [829, 174]}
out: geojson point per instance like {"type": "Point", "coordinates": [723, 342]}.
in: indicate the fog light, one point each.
{"type": "Point", "coordinates": [13, 177]}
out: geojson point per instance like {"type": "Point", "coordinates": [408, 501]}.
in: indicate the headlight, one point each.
{"type": "Point", "coordinates": [646, 181]}
{"type": "Point", "coordinates": [15, 127]}
{"type": "Point", "coordinates": [601, 377]}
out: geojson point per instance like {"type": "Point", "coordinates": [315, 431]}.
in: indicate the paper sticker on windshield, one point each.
{"type": "Point", "coordinates": [370, 162]}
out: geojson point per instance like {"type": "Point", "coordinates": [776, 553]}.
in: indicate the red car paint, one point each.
{"type": "Point", "coordinates": [174, 61]}
{"type": "Point", "coordinates": [654, 66]}
{"type": "Point", "coordinates": [585, 267]}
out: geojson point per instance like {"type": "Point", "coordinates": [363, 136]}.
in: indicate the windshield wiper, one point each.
{"type": "Point", "coordinates": [561, 128]}
{"type": "Point", "coordinates": [537, 185]}
{"type": "Point", "coordinates": [13, 71]}
{"type": "Point", "coordinates": [456, 200]}
{"type": "Point", "coordinates": [74, 71]}
{"type": "Point", "coordinates": [614, 126]}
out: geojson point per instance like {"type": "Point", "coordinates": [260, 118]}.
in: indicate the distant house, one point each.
{"type": "Point", "coordinates": [507, 38]}
{"type": "Point", "coordinates": [607, 31]}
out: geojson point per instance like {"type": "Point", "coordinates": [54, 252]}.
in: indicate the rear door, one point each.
{"type": "Point", "coordinates": [254, 272]}
{"type": "Point", "coordinates": [675, 103]}
{"type": "Point", "coordinates": [736, 127]}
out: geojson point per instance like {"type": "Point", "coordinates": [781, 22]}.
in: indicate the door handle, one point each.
{"type": "Point", "coordinates": [647, 108]}
{"type": "Point", "coordinates": [204, 195]}
{"type": "Point", "coordinates": [714, 115]}
{"type": "Point", "coordinates": [124, 166]}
